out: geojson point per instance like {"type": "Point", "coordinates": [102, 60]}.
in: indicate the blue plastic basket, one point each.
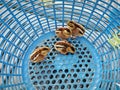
{"type": "Point", "coordinates": [27, 24]}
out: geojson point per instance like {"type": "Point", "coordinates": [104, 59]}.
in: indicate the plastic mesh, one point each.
{"type": "Point", "coordinates": [54, 74]}
{"type": "Point", "coordinates": [25, 24]}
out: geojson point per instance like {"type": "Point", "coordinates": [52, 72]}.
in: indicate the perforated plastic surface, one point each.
{"type": "Point", "coordinates": [26, 24]}
{"type": "Point", "coordinates": [71, 71]}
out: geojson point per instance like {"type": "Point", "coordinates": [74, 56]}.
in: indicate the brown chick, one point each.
{"type": "Point", "coordinates": [64, 47]}
{"type": "Point", "coordinates": [63, 33]}
{"type": "Point", "coordinates": [77, 29]}
{"type": "Point", "coordinates": [39, 54]}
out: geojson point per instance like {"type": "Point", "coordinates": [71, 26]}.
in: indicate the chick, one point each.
{"type": "Point", "coordinates": [39, 54]}
{"type": "Point", "coordinates": [63, 33]}
{"type": "Point", "coordinates": [77, 29]}
{"type": "Point", "coordinates": [64, 47]}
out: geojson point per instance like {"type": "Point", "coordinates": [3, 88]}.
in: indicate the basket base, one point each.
{"type": "Point", "coordinates": [81, 70]}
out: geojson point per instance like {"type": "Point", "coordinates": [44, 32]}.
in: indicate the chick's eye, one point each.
{"type": "Point", "coordinates": [70, 21]}
{"type": "Point", "coordinates": [68, 30]}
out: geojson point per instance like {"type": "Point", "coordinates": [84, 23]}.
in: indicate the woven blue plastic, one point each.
{"type": "Point", "coordinates": [27, 24]}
